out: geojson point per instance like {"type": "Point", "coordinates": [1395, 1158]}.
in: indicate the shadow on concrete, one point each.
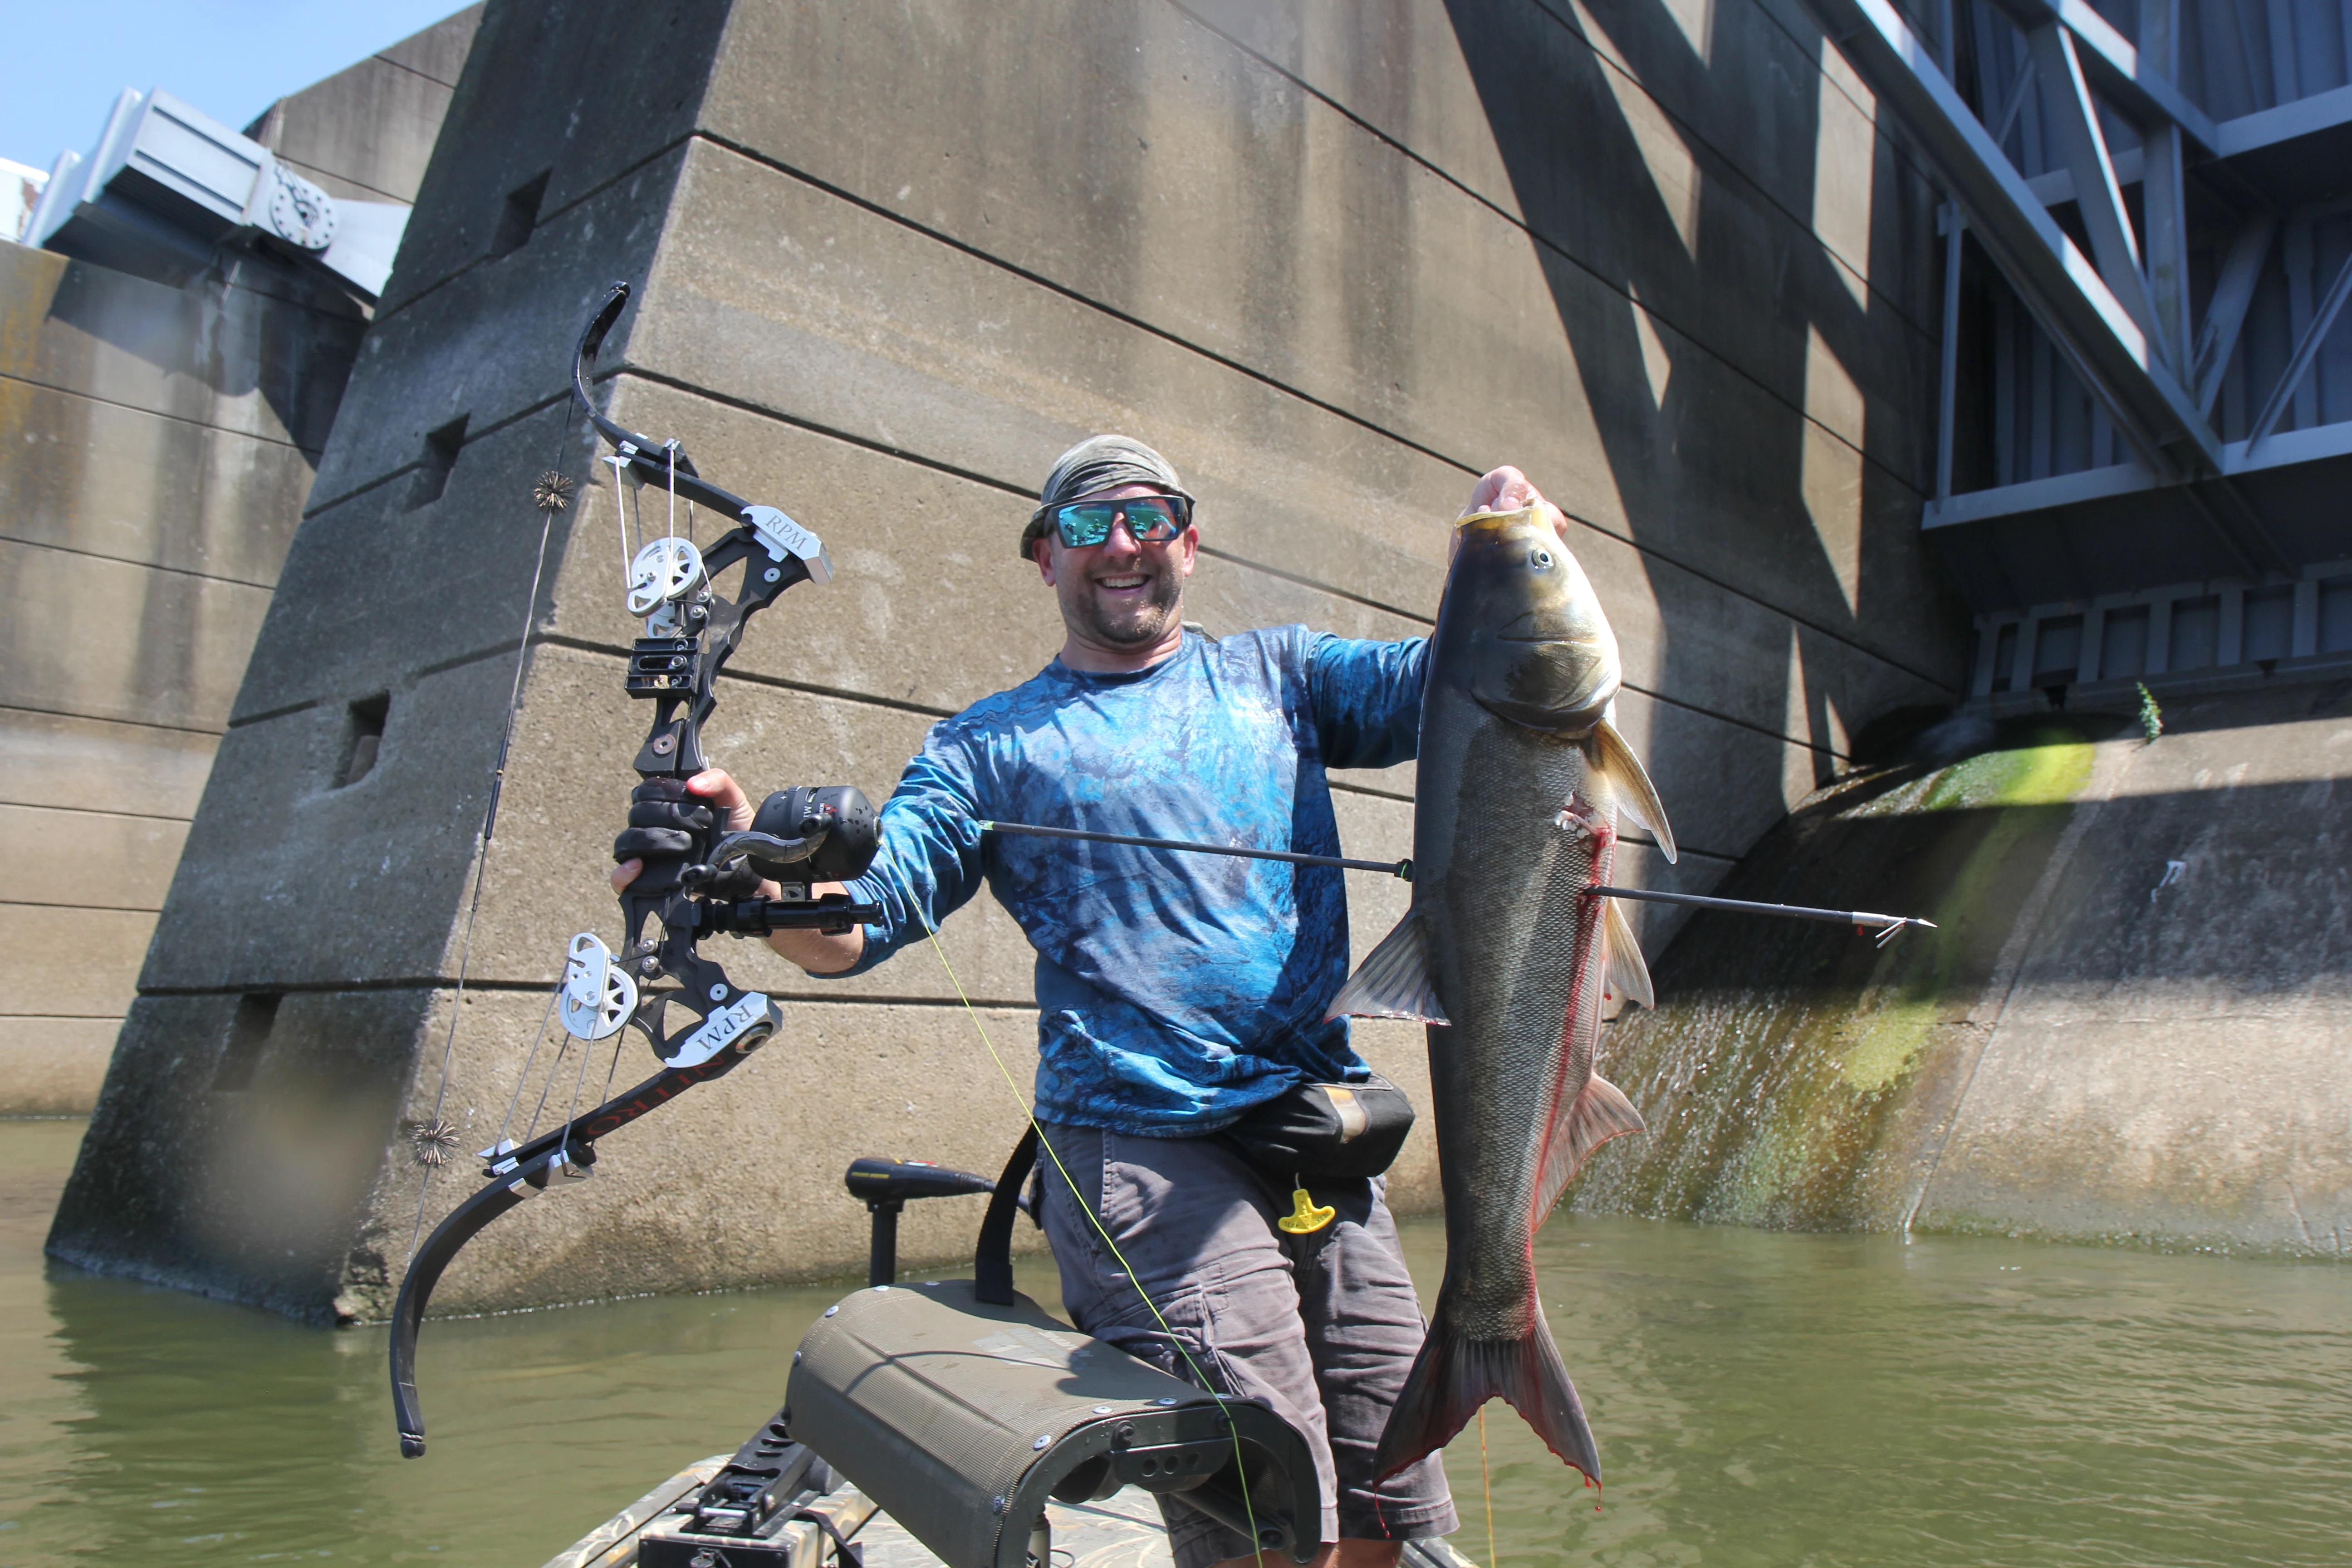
{"type": "Point", "coordinates": [1588, 194]}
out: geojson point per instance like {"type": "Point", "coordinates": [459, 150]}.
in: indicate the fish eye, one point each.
{"type": "Point", "coordinates": [1540, 557]}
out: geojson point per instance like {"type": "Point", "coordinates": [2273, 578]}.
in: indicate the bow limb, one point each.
{"type": "Point", "coordinates": [461, 1225]}
{"type": "Point", "coordinates": [514, 1177]}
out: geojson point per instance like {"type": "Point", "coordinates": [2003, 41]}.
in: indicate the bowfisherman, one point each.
{"type": "Point", "coordinates": [1178, 993]}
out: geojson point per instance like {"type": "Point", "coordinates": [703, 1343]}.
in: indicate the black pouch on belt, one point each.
{"type": "Point", "coordinates": [1324, 1132]}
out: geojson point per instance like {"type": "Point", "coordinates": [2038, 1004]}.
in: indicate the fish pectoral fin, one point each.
{"type": "Point", "coordinates": [1598, 1112]}
{"type": "Point", "coordinates": [1393, 980]}
{"type": "Point", "coordinates": [1631, 789]}
{"type": "Point", "coordinates": [1627, 974]}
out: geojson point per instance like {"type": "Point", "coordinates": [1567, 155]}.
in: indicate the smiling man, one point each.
{"type": "Point", "coordinates": [1177, 993]}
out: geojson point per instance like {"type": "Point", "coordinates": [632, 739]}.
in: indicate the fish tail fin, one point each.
{"type": "Point", "coordinates": [1393, 980]}
{"type": "Point", "coordinates": [1453, 1375]}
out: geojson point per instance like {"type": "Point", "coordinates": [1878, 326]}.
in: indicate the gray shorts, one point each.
{"type": "Point", "coordinates": [1322, 1327]}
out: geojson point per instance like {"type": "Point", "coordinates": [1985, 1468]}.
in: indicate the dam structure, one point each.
{"type": "Point", "coordinates": [2132, 1023]}
{"type": "Point", "coordinates": [170, 374]}
{"type": "Point", "coordinates": [1716, 283]}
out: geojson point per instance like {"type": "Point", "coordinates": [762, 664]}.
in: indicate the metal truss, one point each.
{"type": "Point", "coordinates": [2121, 317]}
{"type": "Point", "coordinates": [2103, 315]}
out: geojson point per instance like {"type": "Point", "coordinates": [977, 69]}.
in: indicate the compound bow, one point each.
{"type": "Point", "coordinates": [698, 879]}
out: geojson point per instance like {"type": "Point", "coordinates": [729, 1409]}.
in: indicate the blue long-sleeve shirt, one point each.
{"type": "Point", "coordinates": [1174, 991]}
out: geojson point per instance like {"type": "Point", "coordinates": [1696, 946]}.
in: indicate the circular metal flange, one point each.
{"type": "Point", "coordinates": [299, 212]}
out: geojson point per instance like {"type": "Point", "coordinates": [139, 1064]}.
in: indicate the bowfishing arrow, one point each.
{"type": "Point", "coordinates": [698, 878]}
{"type": "Point", "coordinates": [1887, 926]}
{"type": "Point", "coordinates": [1401, 870]}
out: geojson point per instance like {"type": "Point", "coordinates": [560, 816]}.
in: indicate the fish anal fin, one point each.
{"type": "Point", "coordinates": [1598, 1112]}
{"type": "Point", "coordinates": [1393, 980]}
{"type": "Point", "coordinates": [1630, 788]}
{"type": "Point", "coordinates": [1454, 1374]}
{"type": "Point", "coordinates": [1627, 972]}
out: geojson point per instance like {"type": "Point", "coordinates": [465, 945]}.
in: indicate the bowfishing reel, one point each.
{"type": "Point", "coordinates": [823, 834]}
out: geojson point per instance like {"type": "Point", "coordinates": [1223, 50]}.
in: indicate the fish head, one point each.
{"type": "Point", "coordinates": [1520, 627]}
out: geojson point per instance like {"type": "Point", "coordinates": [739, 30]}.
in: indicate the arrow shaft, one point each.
{"type": "Point", "coordinates": [1746, 906]}
{"type": "Point", "coordinates": [1399, 869]}
{"type": "Point", "coordinates": [1404, 869]}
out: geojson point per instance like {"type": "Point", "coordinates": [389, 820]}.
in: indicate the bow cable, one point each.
{"type": "Point", "coordinates": [490, 812]}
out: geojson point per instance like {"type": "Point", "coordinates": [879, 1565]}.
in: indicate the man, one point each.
{"type": "Point", "coordinates": [1175, 992]}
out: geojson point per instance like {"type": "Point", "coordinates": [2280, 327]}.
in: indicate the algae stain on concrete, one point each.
{"type": "Point", "coordinates": [1793, 1072]}
{"type": "Point", "coordinates": [2049, 767]}
{"type": "Point", "coordinates": [1908, 989]}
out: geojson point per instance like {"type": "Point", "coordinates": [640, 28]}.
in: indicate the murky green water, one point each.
{"type": "Point", "coordinates": [1760, 1397]}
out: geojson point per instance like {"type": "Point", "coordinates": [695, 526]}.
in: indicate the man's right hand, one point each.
{"type": "Point", "coordinates": [655, 816]}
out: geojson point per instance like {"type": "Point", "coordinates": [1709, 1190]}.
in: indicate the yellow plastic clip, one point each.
{"type": "Point", "coordinates": [1305, 1218]}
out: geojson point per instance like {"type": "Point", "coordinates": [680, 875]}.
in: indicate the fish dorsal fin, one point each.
{"type": "Point", "coordinates": [1627, 974]}
{"type": "Point", "coordinates": [1598, 1112]}
{"type": "Point", "coordinates": [1631, 791]}
{"type": "Point", "coordinates": [1393, 980]}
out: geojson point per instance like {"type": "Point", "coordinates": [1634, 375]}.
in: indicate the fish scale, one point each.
{"type": "Point", "coordinates": [1507, 958]}
{"type": "Point", "coordinates": [1506, 1048]}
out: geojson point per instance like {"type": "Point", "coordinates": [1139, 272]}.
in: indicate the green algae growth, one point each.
{"type": "Point", "coordinates": [1797, 1077]}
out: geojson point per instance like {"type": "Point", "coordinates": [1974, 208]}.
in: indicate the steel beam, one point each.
{"type": "Point", "coordinates": [2225, 313]}
{"type": "Point", "coordinates": [2164, 193]}
{"type": "Point", "coordinates": [1947, 370]}
{"type": "Point", "coordinates": [2282, 449]}
{"type": "Point", "coordinates": [2066, 291]}
{"type": "Point", "coordinates": [2097, 194]}
{"type": "Point", "coordinates": [2114, 64]}
{"type": "Point", "coordinates": [2306, 349]}
{"type": "Point", "coordinates": [2164, 197]}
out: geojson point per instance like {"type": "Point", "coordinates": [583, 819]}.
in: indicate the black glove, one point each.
{"type": "Point", "coordinates": [664, 822]}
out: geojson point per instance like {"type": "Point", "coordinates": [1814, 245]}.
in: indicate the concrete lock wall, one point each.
{"type": "Point", "coordinates": [161, 441]}
{"type": "Point", "coordinates": [1335, 260]}
{"type": "Point", "coordinates": [2130, 1025]}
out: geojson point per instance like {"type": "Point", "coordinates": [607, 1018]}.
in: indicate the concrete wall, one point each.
{"type": "Point", "coordinates": [1335, 260]}
{"type": "Point", "coordinates": [159, 444]}
{"type": "Point", "coordinates": [2131, 1025]}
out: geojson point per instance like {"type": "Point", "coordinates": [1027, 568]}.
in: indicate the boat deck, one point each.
{"type": "Point", "coordinates": [1123, 1530]}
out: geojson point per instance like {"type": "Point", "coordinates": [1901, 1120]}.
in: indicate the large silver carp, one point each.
{"type": "Point", "coordinates": [1522, 777]}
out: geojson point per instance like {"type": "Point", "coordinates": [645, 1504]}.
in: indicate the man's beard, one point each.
{"type": "Point", "coordinates": [1135, 623]}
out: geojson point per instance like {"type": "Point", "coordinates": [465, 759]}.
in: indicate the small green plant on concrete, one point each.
{"type": "Point", "coordinates": [2151, 717]}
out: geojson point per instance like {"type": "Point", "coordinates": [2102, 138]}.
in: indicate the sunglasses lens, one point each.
{"type": "Point", "coordinates": [1151, 521]}
{"type": "Point", "coordinates": [1149, 518]}
{"type": "Point", "coordinates": [1085, 525]}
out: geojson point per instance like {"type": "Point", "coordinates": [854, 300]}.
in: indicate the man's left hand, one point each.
{"type": "Point", "coordinates": [1507, 489]}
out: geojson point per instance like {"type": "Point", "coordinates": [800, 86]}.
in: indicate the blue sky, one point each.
{"type": "Point", "coordinates": [69, 59]}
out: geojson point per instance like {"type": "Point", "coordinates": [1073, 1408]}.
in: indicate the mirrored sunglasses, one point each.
{"type": "Point", "coordinates": [1153, 519]}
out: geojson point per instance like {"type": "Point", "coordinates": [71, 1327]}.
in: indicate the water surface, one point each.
{"type": "Point", "coordinates": [1761, 1398]}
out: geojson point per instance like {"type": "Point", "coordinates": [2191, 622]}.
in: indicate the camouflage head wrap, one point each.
{"type": "Point", "coordinates": [1098, 463]}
